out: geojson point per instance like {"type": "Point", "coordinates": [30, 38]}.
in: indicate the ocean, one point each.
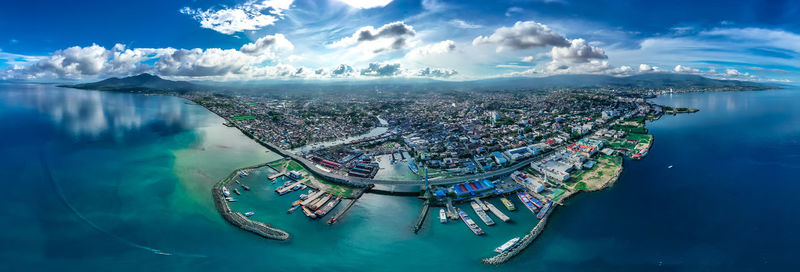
{"type": "Point", "coordinates": [103, 181]}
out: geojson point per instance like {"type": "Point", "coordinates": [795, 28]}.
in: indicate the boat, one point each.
{"type": "Point", "coordinates": [481, 213]}
{"type": "Point", "coordinates": [230, 199]}
{"type": "Point", "coordinates": [442, 216]}
{"type": "Point", "coordinates": [293, 208]}
{"type": "Point", "coordinates": [246, 188]}
{"type": "Point", "coordinates": [546, 209]}
{"type": "Point", "coordinates": [413, 168]}
{"type": "Point", "coordinates": [297, 202]}
{"type": "Point", "coordinates": [471, 224]}
{"type": "Point", "coordinates": [509, 205]}
{"type": "Point", "coordinates": [508, 245]}
{"type": "Point", "coordinates": [309, 213]}
{"type": "Point", "coordinates": [248, 214]}
{"type": "Point", "coordinates": [535, 201]}
{"type": "Point", "coordinates": [225, 192]}
{"type": "Point", "coordinates": [241, 175]}
{"type": "Point", "coordinates": [320, 202]}
{"type": "Point", "coordinates": [669, 166]}
{"type": "Point", "coordinates": [236, 191]}
{"type": "Point", "coordinates": [327, 207]}
{"type": "Point", "coordinates": [525, 200]}
{"type": "Point", "coordinates": [303, 197]}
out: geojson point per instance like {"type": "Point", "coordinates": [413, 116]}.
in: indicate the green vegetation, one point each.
{"type": "Point", "coordinates": [243, 117]}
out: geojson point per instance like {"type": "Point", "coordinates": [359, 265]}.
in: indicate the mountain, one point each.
{"type": "Point", "coordinates": [154, 84]}
{"type": "Point", "coordinates": [139, 83]}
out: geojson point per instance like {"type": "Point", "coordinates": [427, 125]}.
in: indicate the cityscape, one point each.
{"type": "Point", "coordinates": [394, 135]}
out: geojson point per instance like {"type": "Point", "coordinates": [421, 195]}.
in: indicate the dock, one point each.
{"type": "Point", "coordinates": [276, 175]}
{"type": "Point", "coordinates": [481, 213]}
{"type": "Point", "coordinates": [451, 211]}
{"type": "Point", "coordinates": [287, 188]}
{"type": "Point", "coordinates": [312, 197]}
{"type": "Point", "coordinates": [497, 212]}
{"type": "Point", "coordinates": [421, 218]}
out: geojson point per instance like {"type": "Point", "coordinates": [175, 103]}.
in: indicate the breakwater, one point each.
{"type": "Point", "coordinates": [239, 220]}
{"type": "Point", "coordinates": [346, 208]}
{"type": "Point", "coordinates": [422, 215]}
{"type": "Point", "coordinates": [523, 243]}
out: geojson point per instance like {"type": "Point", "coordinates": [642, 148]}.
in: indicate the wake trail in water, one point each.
{"type": "Point", "coordinates": [48, 174]}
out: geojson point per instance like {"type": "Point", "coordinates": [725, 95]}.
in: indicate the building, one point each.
{"type": "Point", "coordinates": [498, 158]}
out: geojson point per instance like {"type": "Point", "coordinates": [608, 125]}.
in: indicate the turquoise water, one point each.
{"type": "Point", "coordinates": [131, 177]}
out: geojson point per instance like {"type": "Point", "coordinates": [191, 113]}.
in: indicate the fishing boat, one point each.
{"type": "Point", "coordinates": [236, 191]}
{"type": "Point", "coordinates": [303, 197]}
{"type": "Point", "coordinates": [241, 175]}
{"type": "Point", "coordinates": [525, 200]}
{"type": "Point", "coordinates": [508, 245]}
{"type": "Point", "coordinates": [297, 202]}
{"type": "Point", "coordinates": [230, 199]}
{"type": "Point", "coordinates": [509, 205]}
{"type": "Point", "coordinates": [442, 216]}
{"type": "Point", "coordinates": [246, 188]}
{"type": "Point", "coordinates": [293, 208]}
{"type": "Point", "coordinates": [248, 214]}
{"type": "Point", "coordinates": [309, 213]}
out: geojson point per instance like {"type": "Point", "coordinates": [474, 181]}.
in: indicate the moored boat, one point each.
{"type": "Point", "coordinates": [471, 224]}
{"type": "Point", "coordinates": [235, 190]}
{"type": "Point", "coordinates": [507, 245]}
{"type": "Point", "coordinates": [246, 188]}
{"type": "Point", "coordinates": [442, 216]}
{"type": "Point", "coordinates": [248, 214]}
{"type": "Point", "coordinates": [509, 205]}
{"type": "Point", "coordinates": [527, 202]}
{"type": "Point", "coordinates": [546, 209]}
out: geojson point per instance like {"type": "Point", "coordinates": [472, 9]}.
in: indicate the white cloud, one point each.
{"type": "Point", "coordinates": [528, 59]}
{"type": "Point", "coordinates": [436, 72]}
{"type": "Point", "coordinates": [685, 69]}
{"type": "Point", "coordinates": [577, 52]}
{"type": "Point", "coordinates": [646, 68]}
{"type": "Point", "coordinates": [381, 69]}
{"type": "Point", "coordinates": [366, 4]}
{"type": "Point", "coordinates": [463, 24]}
{"type": "Point", "coordinates": [251, 15]}
{"type": "Point", "coordinates": [523, 35]}
{"type": "Point", "coordinates": [439, 48]}
{"type": "Point", "coordinates": [268, 45]}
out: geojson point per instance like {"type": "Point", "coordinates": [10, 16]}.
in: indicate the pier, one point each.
{"type": "Point", "coordinates": [497, 212]}
{"type": "Point", "coordinates": [239, 220]}
{"type": "Point", "coordinates": [422, 215]}
{"type": "Point", "coordinates": [523, 243]}
{"type": "Point", "coordinates": [346, 208]}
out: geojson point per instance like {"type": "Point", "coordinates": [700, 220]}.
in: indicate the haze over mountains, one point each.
{"type": "Point", "coordinates": [151, 83]}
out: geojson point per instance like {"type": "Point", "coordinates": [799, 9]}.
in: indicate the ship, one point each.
{"type": "Point", "coordinates": [230, 199]}
{"type": "Point", "coordinates": [546, 209]}
{"type": "Point", "coordinates": [535, 201]}
{"type": "Point", "coordinates": [320, 202]}
{"type": "Point", "coordinates": [527, 201]}
{"type": "Point", "coordinates": [413, 168]}
{"type": "Point", "coordinates": [442, 216]}
{"type": "Point", "coordinates": [248, 214]}
{"type": "Point", "coordinates": [235, 190]}
{"type": "Point", "coordinates": [225, 192]}
{"type": "Point", "coordinates": [508, 245]}
{"type": "Point", "coordinates": [327, 207]}
{"type": "Point", "coordinates": [246, 188]}
{"type": "Point", "coordinates": [471, 224]}
{"type": "Point", "coordinates": [293, 208]}
{"type": "Point", "coordinates": [309, 213]}
{"type": "Point", "coordinates": [497, 212]}
{"type": "Point", "coordinates": [482, 214]}
{"type": "Point", "coordinates": [509, 205]}
{"type": "Point", "coordinates": [297, 202]}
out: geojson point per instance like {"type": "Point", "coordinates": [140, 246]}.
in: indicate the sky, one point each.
{"type": "Point", "coordinates": [252, 40]}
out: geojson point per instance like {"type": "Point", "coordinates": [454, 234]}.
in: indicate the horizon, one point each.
{"type": "Point", "coordinates": [255, 40]}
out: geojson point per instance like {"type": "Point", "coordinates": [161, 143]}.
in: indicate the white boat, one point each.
{"type": "Point", "coordinates": [248, 214]}
{"type": "Point", "coordinates": [225, 192]}
{"type": "Point", "coordinates": [442, 216]}
{"type": "Point", "coordinates": [230, 199]}
{"type": "Point", "coordinates": [482, 214]}
{"type": "Point", "coordinates": [508, 245]}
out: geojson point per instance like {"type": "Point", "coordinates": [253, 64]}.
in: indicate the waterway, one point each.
{"type": "Point", "coordinates": [383, 128]}
{"type": "Point", "coordinates": [109, 181]}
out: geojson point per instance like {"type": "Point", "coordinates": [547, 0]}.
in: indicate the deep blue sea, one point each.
{"type": "Point", "coordinates": [98, 181]}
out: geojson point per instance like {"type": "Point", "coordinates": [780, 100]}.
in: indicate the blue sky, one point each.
{"type": "Point", "coordinates": [353, 39]}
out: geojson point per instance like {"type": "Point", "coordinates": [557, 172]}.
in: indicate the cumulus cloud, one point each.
{"type": "Point", "coordinates": [251, 15]}
{"type": "Point", "coordinates": [685, 69]}
{"type": "Point", "coordinates": [463, 24]}
{"type": "Point", "coordinates": [391, 36]}
{"type": "Point", "coordinates": [381, 69]}
{"type": "Point", "coordinates": [439, 48]}
{"type": "Point", "coordinates": [343, 70]}
{"type": "Point", "coordinates": [523, 35]}
{"type": "Point", "coordinates": [436, 72]}
{"type": "Point", "coordinates": [645, 68]}
{"type": "Point", "coordinates": [267, 44]}
{"type": "Point", "coordinates": [366, 4]}
{"type": "Point", "coordinates": [577, 52]}
{"type": "Point", "coordinates": [77, 62]}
